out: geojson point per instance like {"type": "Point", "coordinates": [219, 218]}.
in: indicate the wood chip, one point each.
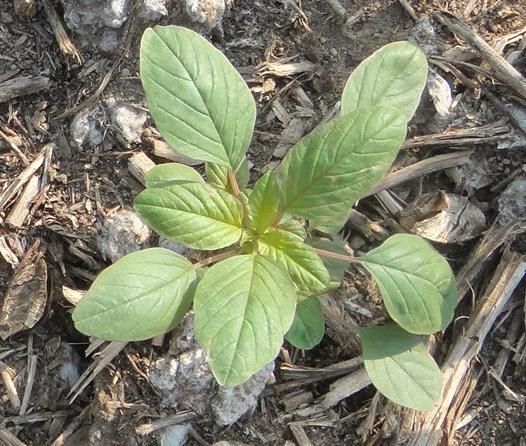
{"type": "Point", "coordinates": [21, 209]}
{"type": "Point", "coordinates": [8, 439]}
{"type": "Point", "coordinates": [288, 69]}
{"type": "Point", "coordinates": [138, 165]}
{"type": "Point", "coordinates": [5, 374]}
{"type": "Point", "coordinates": [23, 86]}
{"type": "Point", "coordinates": [26, 296]}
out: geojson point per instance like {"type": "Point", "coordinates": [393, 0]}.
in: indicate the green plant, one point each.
{"type": "Point", "coordinates": [248, 298]}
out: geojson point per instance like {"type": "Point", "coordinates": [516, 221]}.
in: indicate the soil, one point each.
{"type": "Point", "coordinates": [87, 184]}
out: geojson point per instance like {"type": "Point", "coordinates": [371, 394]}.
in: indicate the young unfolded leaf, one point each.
{"type": "Point", "coordinates": [243, 307]}
{"type": "Point", "coordinates": [142, 295]}
{"type": "Point", "coordinates": [199, 102]}
{"type": "Point", "coordinates": [400, 367]}
{"type": "Point", "coordinates": [328, 170]}
{"type": "Point", "coordinates": [393, 76]}
{"type": "Point", "coordinates": [193, 214]}
{"type": "Point", "coordinates": [300, 260]}
{"type": "Point", "coordinates": [309, 324]}
{"type": "Point", "coordinates": [264, 202]}
{"type": "Point", "coordinates": [218, 175]}
{"type": "Point", "coordinates": [335, 267]}
{"type": "Point", "coordinates": [171, 174]}
{"type": "Point", "coordinates": [416, 282]}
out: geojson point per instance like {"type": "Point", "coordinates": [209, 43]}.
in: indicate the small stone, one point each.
{"type": "Point", "coordinates": [356, 242]}
{"type": "Point", "coordinates": [333, 52]}
{"type": "Point", "coordinates": [172, 246]}
{"type": "Point", "coordinates": [115, 13]}
{"type": "Point", "coordinates": [440, 93]}
{"type": "Point", "coordinates": [122, 233]}
{"type": "Point", "coordinates": [231, 403]}
{"type": "Point", "coordinates": [129, 121]}
{"type": "Point", "coordinates": [109, 41]}
{"type": "Point", "coordinates": [5, 17]}
{"type": "Point", "coordinates": [512, 202]}
{"type": "Point", "coordinates": [206, 12]}
{"type": "Point", "coordinates": [25, 8]}
{"type": "Point", "coordinates": [425, 35]}
{"type": "Point", "coordinates": [85, 129]}
{"type": "Point", "coordinates": [152, 10]}
{"type": "Point", "coordinates": [175, 435]}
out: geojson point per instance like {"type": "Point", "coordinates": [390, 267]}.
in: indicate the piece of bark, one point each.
{"type": "Point", "coordinates": [368, 228]}
{"type": "Point", "coordinates": [504, 71]}
{"type": "Point", "coordinates": [490, 133]}
{"type": "Point", "coordinates": [138, 165]}
{"type": "Point", "coordinates": [23, 86]}
{"type": "Point", "coordinates": [421, 168]}
{"type": "Point", "coordinates": [21, 209]}
{"type": "Point", "coordinates": [65, 44]}
{"type": "Point", "coordinates": [24, 176]}
{"type": "Point", "coordinates": [5, 375]}
{"type": "Point", "coordinates": [438, 425]}
{"type": "Point", "coordinates": [279, 69]}
{"type": "Point", "coordinates": [26, 296]}
{"type": "Point", "coordinates": [9, 439]}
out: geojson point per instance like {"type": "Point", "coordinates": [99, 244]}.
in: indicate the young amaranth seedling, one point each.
{"type": "Point", "coordinates": [264, 286]}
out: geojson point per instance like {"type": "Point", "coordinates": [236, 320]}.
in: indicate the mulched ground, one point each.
{"type": "Point", "coordinates": [79, 187]}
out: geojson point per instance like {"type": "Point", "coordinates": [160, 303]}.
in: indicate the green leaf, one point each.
{"type": "Point", "coordinates": [393, 76]}
{"type": "Point", "coordinates": [218, 175]}
{"type": "Point", "coordinates": [199, 102]}
{"type": "Point", "coordinates": [264, 202]}
{"type": "Point", "coordinates": [416, 282]}
{"type": "Point", "coordinates": [300, 260]}
{"type": "Point", "coordinates": [400, 367]}
{"type": "Point", "coordinates": [243, 307]}
{"type": "Point", "coordinates": [308, 327]}
{"type": "Point", "coordinates": [292, 226]}
{"type": "Point", "coordinates": [171, 174]}
{"type": "Point", "coordinates": [335, 267]}
{"type": "Point", "coordinates": [195, 215]}
{"type": "Point", "coordinates": [327, 171]}
{"type": "Point", "coordinates": [142, 295]}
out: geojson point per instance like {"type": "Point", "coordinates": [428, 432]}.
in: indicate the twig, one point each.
{"type": "Point", "coordinates": [14, 148]}
{"type": "Point", "coordinates": [139, 164]}
{"type": "Point", "coordinates": [502, 68]}
{"type": "Point", "coordinates": [76, 423]}
{"type": "Point", "coordinates": [216, 258]}
{"type": "Point", "coordinates": [179, 418]}
{"type": "Point", "coordinates": [421, 168]}
{"type": "Point", "coordinates": [30, 381]}
{"type": "Point", "coordinates": [64, 42]}
{"type": "Point", "coordinates": [409, 9]}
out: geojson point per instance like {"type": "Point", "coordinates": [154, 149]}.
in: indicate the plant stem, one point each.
{"type": "Point", "coordinates": [216, 258]}
{"type": "Point", "coordinates": [336, 256]}
{"type": "Point", "coordinates": [233, 182]}
{"type": "Point", "coordinates": [277, 220]}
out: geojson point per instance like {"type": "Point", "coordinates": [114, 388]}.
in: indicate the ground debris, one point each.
{"type": "Point", "coordinates": [444, 218]}
{"type": "Point", "coordinates": [26, 295]}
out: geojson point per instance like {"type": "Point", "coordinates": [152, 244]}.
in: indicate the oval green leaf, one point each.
{"type": "Point", "coordinates": [416, 282]}
{"type": "Point", "coordinates": [193, 214]}
{"type": "Point", "coordinates": [304, 266]}
{"type": "Point", "coordinates": [327, 171]}
{"type": "Point", "coordinates": [400, 367]}
{"type": "Point", "coordinates": [264, 202]}
{"type": "Point", "coordinates": [308, 327]}
{"type": "Point", "coordinates": [170, 174]}
{"type": "Point", "coordinates": [243, 307]}
{"type": "Point", "coordinates": [393, 76]}
{"type": "Point", "coordinates": [199, 102]}
{"type": "Point", "coordinates": [142, 295]}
